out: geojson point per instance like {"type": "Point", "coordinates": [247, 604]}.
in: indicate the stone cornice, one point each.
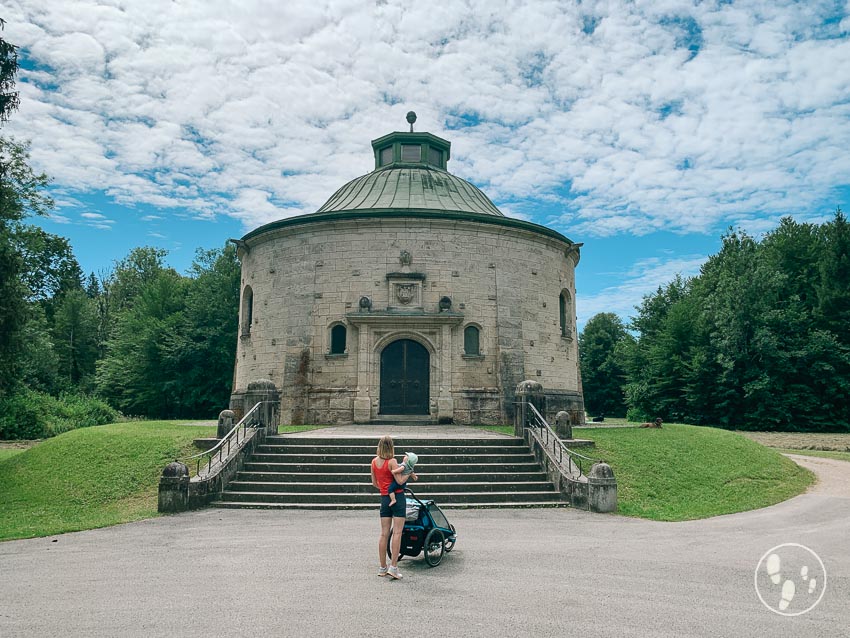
{"type": "Point", "coordinates": [405, 319]}
{"type": "Point", "coordinates": [378, 214]}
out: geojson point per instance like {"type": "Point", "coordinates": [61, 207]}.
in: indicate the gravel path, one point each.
{"type": "Point", "coordinates": [833, 475]}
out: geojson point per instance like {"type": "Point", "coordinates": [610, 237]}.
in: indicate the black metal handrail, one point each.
{"type": "Point", "coordinates": [252, 419]}
{"type": "Point", "coordinates": [559, 450]}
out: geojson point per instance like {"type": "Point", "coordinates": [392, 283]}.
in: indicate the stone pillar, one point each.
{"type": "Point", "coordinates": [445, 402]}
{"type": "Point", "coordinates": [226, 421]}
{"type": "Point", "coordinates": [266, 391]}
{"type": "Point", "coordinates": [563, 427]}
{"type": "Point", "coordinates": [602, 488]}
{"type": "Point", "coordinates": [362, 400]}
{"type": "Point", "coordinates": [527, 392]}
{"type": "Point", "coordinates": [174, 488]}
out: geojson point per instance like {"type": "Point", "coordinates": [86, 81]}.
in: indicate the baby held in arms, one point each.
{"type": "Point", "coordinates": [401, 475]}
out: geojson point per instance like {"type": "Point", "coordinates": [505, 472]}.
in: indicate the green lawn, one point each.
{"type": "Point", "coordinates": [91, 477]}
{"type": "Point", "coordinates": [684, 472]}
{"type": "Point", "coordinates": [828, 454]}
{"type": "Point", "coordinates": [9, 452]}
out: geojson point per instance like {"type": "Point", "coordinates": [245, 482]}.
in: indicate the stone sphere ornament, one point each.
{"type": "Point", "coordinates": [175, 469]}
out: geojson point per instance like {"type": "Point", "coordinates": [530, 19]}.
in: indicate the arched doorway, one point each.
{"type": "Point", "coordinates": [405, 378]}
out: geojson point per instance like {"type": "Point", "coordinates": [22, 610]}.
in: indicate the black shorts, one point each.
{"type": "Point", "coordinates": [399, 509]}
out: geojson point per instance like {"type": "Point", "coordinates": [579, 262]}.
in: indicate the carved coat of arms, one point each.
{"type": "Point", "coordinates": [405, 293]}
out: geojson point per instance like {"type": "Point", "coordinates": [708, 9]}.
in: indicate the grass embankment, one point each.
{"type": "Point", "coordinates": [92, 477]}
{"type": "Point", "coordinates": [684, 472]}
{"type": "Point", "coordinates": [9, 452]}
{"type": "Point", "coordinates": [87, 478]}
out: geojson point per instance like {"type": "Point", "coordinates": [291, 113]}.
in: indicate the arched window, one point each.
{"type": "Point", "coordinates": [338, 339]}
{"type": "Point", "coordinates": [471, 340]}
{"type": "Point", "coordinates": [247, 310]}
{"type": "Point", "coordinates": [565, 310]}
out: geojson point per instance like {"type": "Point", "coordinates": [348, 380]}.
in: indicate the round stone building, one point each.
{"type": "Point", "coordinates": [407, 296]}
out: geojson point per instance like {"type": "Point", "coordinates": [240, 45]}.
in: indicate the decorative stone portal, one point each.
{"type": "Point", "coordinates": [405, 378]}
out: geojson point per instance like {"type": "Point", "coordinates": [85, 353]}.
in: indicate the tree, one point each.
{"type": "Point", "coordinates": [657, 364]}
{"type": "Point", "coordinates": [204, 349]}
{"type": "Point", "coordinates": [8, 70]}
{"type": "Point", "coordinates": [133, 273]}
{"type": "Point", "coordinates": [832, 287]}
{"type": "Point", "coordinates": [75, 336]}
{"type": "Point", "coordinates": [21, 194]}
{"type": "Point", "coordinates": [602, 371]}
{"type": "Point", "coordinates": [137, 375]}
{"type": "Point", "coordinates": [50, 267]}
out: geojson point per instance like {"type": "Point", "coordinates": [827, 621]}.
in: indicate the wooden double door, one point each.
{"type": "Point", "coordinates": [405, 378]}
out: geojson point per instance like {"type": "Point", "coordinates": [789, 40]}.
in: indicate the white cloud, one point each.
{"type": "Point", "coordinates": [642, 278]}
{"type": "Point", "coordinates": [96, 220]}
{"type": "Point", "coordinates": [629, 117]}
{"type": "Point", "coordinates": [59, 219]}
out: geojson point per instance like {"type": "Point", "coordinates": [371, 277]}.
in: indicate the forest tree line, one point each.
{"type": "Point", "coordinates": [140, 337]}
{"type": "Point", "coordinates": [759, 339]}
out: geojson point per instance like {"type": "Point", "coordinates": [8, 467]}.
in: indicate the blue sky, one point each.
{"type": "Point", "coordinates": [643, 129]}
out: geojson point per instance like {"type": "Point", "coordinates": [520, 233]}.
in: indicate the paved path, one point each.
{"type": "Point", "coordinates": [532, 573]}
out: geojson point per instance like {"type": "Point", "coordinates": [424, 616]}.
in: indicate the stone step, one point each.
{"type": "Point", "coordinates": [399, 442]}
{"type": "Point", "coordinates": [430, 477]}
{"type": "Point", "coordinates": [313, 472]}
{"type": "Point", "coordinates": [373, 506]}
{"type": "Point", "coordinates": [372, 498]}
{"type": "Point", "coordinates": [369, 450]}
{"type": "Point", "coordinates": [359, 487]}
{"type": "Point", "coordinates": [424, 459]}
{"type": "Point", "coordinates": [356, 468]}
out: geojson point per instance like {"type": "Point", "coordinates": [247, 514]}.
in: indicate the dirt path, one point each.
{"type": "Point", "coordinates": [833, 475]}
{"type": "Point", "coordinates": [802, 440]}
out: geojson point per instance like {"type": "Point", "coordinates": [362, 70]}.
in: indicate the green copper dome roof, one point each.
{"type": "Point", "coordinates": [410, 173]}
{"type": "Point", "coordinates": [415, 186]}
{"type": "Point", "coordinates": [409, 180]}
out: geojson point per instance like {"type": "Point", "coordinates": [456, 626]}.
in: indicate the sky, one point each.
{"type": "Point", "coordinates": [643, 129]}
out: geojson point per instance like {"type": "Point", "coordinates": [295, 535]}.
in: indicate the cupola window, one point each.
{"type": "Point", "coordinates": [411, 153]}
{"type": "Point", "coordinates": [386, 155]}
{"type": "Point", "coordinates": [435, 157]}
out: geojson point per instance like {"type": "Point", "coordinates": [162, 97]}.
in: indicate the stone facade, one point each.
{"type": "Point", "coordinates": [306, 279]}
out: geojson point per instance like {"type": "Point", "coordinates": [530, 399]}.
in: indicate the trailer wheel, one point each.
{"type": "Point", "coordinates": [450, 543]}
{"type": "Point", "coordinates": [435, 547]}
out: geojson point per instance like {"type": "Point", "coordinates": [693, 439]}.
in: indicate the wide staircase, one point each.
{"type": "Point", "coordinates": [303, 472]}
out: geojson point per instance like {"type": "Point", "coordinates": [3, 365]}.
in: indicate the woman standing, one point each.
{"type": "Point", "coordinates": [382, 467]}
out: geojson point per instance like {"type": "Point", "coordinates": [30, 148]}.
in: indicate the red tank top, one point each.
{"type": "Point", "coordinates": [382, 475]}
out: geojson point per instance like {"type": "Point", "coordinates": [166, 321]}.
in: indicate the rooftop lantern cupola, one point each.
{"type": "Point", "coordinates": [411, 149]}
